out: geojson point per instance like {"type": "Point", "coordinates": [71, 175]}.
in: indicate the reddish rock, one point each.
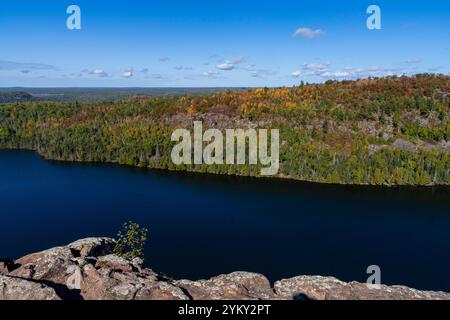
{"type": "Point", "coordinates": [51, 265]}
{"type": "Point", "coordinates": [236, 285]}
{"type": "Point", "coordinates": [115, 263]}
{"type": "Point", "coordinates": [92, 247]}
{"type": "Point", "coordinates": [87, 269]}
{"type": "Point", "coordinates": [21, 289]}
{"type": "Point", "coordinates": [4, 267]}
{"type": "Point", "coordinates": [329, 288]}
{"type": "Point", "coordinates": [161, 291]}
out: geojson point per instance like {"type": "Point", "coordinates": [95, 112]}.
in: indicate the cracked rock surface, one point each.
{"type": "Point", "coordinates": [88, 270]}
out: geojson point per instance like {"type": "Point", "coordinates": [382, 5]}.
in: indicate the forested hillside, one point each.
{"type": "Point", "coordinates": [16, 96]}
{"type": "Point", "coordinates": [389, 131]}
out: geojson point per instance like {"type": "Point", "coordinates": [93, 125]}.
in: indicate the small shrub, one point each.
{"type": "Point", "coordinates": [130, 241]}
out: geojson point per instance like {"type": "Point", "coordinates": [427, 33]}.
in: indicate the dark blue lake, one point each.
{"type": "Point", "coordinates": [204, 225]}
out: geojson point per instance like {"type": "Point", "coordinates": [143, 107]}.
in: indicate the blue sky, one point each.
{"type": "Point", "coordinates": [217, 43]}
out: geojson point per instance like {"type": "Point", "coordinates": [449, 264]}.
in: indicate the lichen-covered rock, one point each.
{"type": "Point", "coordinates": [21, 289]}
{"type": "Point", "coordinates": [329, 288]}
{"type": "Point", "coordinates": [51, 265]}
{"type": "Point", "coordinates": [114, 262]}
{"type": "Point", "coordinates": [4, 267]}
{"type": "Point", "coordinates": [236, 285]}
{"type": "Point", "coordinates": [95, 284]}
{"type": "Point", "coordinates": [87, 269]}
{"type": "Point", "coordinates": [161, 291]}
{"type": "Point", "coordinates": [92, 247]}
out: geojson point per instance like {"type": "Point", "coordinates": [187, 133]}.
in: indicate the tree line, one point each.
{"type": "Point", "coordinates": [387, 131]}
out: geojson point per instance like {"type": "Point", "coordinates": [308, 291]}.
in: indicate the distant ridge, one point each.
{"type": "Point", "coordinates": [104, 94]}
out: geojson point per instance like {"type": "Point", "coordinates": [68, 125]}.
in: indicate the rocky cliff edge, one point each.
{"type": "Point", "coordinates": [88, 270]}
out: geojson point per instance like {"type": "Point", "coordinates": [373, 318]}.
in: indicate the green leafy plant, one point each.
{"type": "Point", "coordinates": [131, 240]}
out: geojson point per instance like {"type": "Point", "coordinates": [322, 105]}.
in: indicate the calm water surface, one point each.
{"type": "Point", "coordinates": [202, 225]}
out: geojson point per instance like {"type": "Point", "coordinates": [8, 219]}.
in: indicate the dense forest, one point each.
{"type": "Point", "coordinates": [386, 131]}
{"type": "Point", "coordinates": [15, 96]}
{"type": "Point", "coordinates": [90, 95]}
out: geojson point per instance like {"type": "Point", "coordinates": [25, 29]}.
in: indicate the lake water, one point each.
{"type": "Point", "coordinates": [205, 225]}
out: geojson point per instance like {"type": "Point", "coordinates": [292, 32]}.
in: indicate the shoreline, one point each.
{"type": "Point", "coordinates": [277, 178]}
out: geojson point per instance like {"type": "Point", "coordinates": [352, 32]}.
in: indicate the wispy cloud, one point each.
{"type": "Point", "coordinates": [210, 74]}
{"type": "Point", "coordinates": [259, 73]}
{"type": "Point", "coordinates": [164, 59]}
{"type": "Point", "coordinates": [296, 74]}
{"type": "Point", "coordinates": [227, 65]}
{"type": "Point", "coordinates": [413, 61]}
{"type": "Point", "coordinates": [316, 69]}
{"type": "Point", "coordinates": [308, 33]}
{"type": "Point", "coordinates": [98, 72]}
{"type": "Point", "coordinates": [11, 65]}
{"type": "Point", "coordinates": [230, 64]}
{"type": "Point", "coordinates": [128, 73]}
{"type": "Point", "coordinates": [158, 76]}
{"type": "Point", "coordinates": [325, 71]}
{"type": "Point", "coordinates": [179, 68]}
{"type": "Point", "coordinates": [336, 74]}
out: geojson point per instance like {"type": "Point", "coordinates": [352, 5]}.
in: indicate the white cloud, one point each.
{"type": "Point", "coordinates": [261, 73]}
{"type": "Point", "coordinates": [212, 74]}
{"type": "Point", "coordinates": [258, 73]}
{"type": "Point", "coordinates": [128, 73]}
{"type": "Point", "coordinates": [227, 65]}
{"type": "Point", "coordinates": [296, 74]}
{"type": "Point", "coordinates": [230, 65]}
{"type": "Point", "coordinates": [336, 74]}
{"type": "Point", "coordinates": [325, 71]}
{"type": "Point", "coordinates": [316, 69]}
{"type": "Point", "coordinates": [98, 72]}
{"type": "Point", "coordinates": [308, 33]}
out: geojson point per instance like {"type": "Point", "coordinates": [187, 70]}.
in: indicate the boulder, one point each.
{"type": "Point", "coordinates": [92, 247]}
{"type": "Point", "coordinates": [3, 268]}
{"type": "Point", "coordinates": [6, 266]}
{"type": "Point", "coordinates": [115, 263]}
{"type": "Point", "coordinates": [88, 269]}
{"type": "Point", "coordinates": [329, 288]}
{"type": "Point", "coordinates": [21, 289]}
{"type": "Point", "coordinates": [161, 290]}
{"type": "Point", "coordinates": [233, 286]}
{"type": "Point", "coordinates": [51, 265]}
